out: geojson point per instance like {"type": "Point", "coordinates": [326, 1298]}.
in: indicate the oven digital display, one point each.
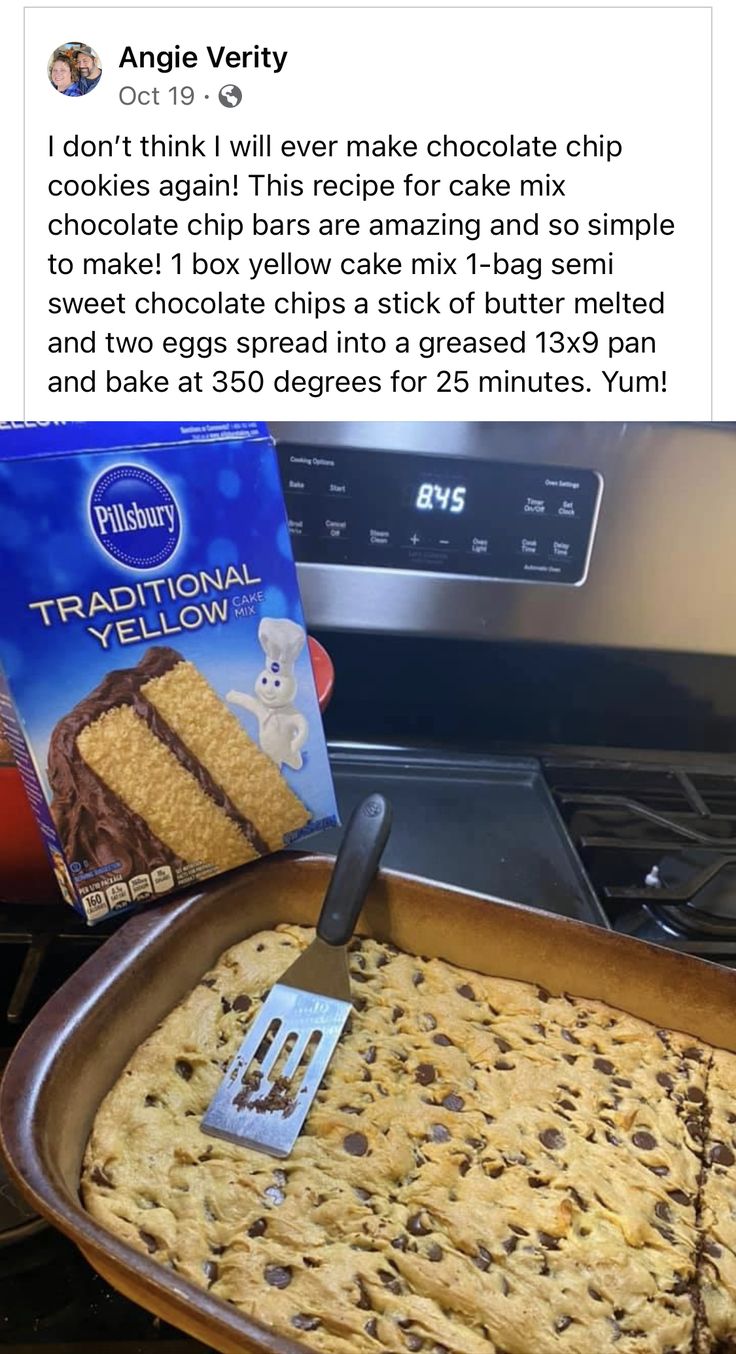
{"type": "Point", "coordinates": [445, 497]}
{"type": "Point", "coordinates": [439, 514]}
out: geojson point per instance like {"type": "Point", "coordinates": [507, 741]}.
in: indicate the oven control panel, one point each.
{"type": "Point", "coordinates": [440, 514]}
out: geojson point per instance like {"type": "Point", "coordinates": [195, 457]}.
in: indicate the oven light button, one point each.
{"type": "Point", "coordinates": [479, 546]}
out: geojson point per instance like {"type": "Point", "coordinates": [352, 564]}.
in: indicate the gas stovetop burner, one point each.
{"type": "Point", "coordinates": [663, 837]}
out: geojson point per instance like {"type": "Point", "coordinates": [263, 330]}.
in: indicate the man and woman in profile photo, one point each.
{"type": "Point", "coordinates": [74, 69]}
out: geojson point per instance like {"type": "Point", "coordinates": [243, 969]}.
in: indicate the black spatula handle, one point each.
{"type": "Point", "coordinates": [360, 852]}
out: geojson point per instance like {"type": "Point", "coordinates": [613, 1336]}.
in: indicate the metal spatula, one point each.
{"type": "Point", "coordinates": [269, 1086]}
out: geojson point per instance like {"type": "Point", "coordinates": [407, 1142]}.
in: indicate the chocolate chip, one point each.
{"type": "Point", "coordinates": [667, 1233]}
{"type": "Point", "coordinates": [371, 1328]}
{"type": "Point", "coordinates": [482, 1259]}
{"type": "Point", "coordinates": [520, 1231]}
{"type": "Point", "coordinates": [542, 994]}
{"type": "Point", "coordinates": [208, 982]}
{"type": "Point", "coordinates": [465, 990]}
{"type": "Point", "coordinates": [414, 1343]}
{"type": "Point", "coordinates": [695, 1094]}
{"type": "Point", "coordinates": [501, 1065]}
{"type": "Point", "coordinates": [257, 1228]}
{"type": "Point", "coordinates": [278, 1276]}
{"type": "Point", "coordinates": [621, 1081]}
{"type": "Point", "coordinates": [611, 1137]}
{"type": "Point", "coordinates": [510, 1244]}
{"type": "Point", "coordinates": [603, 1065]}
{"type": "Point", "coordinates": [364, 1301]}
{"type": "Point", "coordinates": [595, 1295]}
{"type": "Point", "coordinates": [226, 1005]}
{"type": "Point", "coordinates": [183, 1069]}
{"type": "Point", "coordinates": [425, 1074]}
{"type": "Point", "coordinates": [680, 1197]}
{"type": "Point", "coordinates": [417, 978]}
{"type": "Point", "coordinates": [552, 1139]}
{"type": "Point", "coordinates": [151, 1243]}
{"type": "Point", "coordinates": [570, 1037]}
{"type": "Point", "coordinates": [536, 1182]}
{"type": "Point", "coordinates": [665, 1080]}
{"type": "Point", "coordinates": [502, 1045]}
{"type": "Point", "coordinates": [370, 1054]}
{"type": "Point", "coordinates": [211, 1270]}
{"type": "Point", "coordinates": [356, 1144]}
{"type": "Point", "coordinates": [662, 1211]}
{"type": "Point", "coordinates": [400, 1242]}
{"type": "Point", "coordinates": [397, 1013]}
{"type": "Point", "coordinates": [389, 1281]}
{"type": "Point", "coordinates": [453, 1102]}
{"type": "Point", "coordinates": [416, 1225]}
{"type": "Point", "coordinates": [659, 1170]}
{"type": "Point", "coordinates": [693, 1054]}
{"type": "Point", "coordinates": [99, 1177]}
{"type": "Point", "coordinates": [712, 1249]}
{"type": "Point", "coordinates": [644, 1141]}
{"type": "Point", "coordinates": [442, 1040]}
{"type": "Point", "coordinates": [562, 1323]}
{"type": "Point", "coordinates": [303, 1321]}
{"type": "Point", "coordinates": [550, 1243]}
{"type": "Point", "coordinates": [567, 1105]}
{"type": "Point", "coordinates": [721, 1155]}
{"type": "Point", "coordinates": [579, 1200]}
{"type": "Point", "coordinates": [439, 1133]}
{"type": "Point", "coordinates": [570, 1058]}
{"type": "Point", "coordinates": [435, 1252]}
{"type": "Point", "coordinates": [695, 1128]}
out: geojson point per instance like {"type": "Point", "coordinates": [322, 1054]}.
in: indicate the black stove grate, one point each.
{"type": "Point", "coordinates": [660, 836]}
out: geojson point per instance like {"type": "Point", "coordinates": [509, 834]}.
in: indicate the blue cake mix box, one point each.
{"type": "Point", "coordinates": [157, 687]}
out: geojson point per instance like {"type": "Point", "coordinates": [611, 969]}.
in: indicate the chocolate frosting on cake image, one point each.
{"type": "Point", "coordinates": [151, 768]}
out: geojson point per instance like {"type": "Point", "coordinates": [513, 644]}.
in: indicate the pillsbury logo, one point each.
{"type": "Point", "coordinates": [135, 517]}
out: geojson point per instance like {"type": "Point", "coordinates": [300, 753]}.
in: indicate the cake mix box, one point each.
{"type": "Point", "coordinates": [158, 692]}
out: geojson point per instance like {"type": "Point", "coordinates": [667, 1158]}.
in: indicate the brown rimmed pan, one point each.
{"type": "Point", "coordinates": [76, 1047]}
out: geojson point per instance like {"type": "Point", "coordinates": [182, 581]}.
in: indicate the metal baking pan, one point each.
{"type": "Point", "coordinates": [77, 1046]}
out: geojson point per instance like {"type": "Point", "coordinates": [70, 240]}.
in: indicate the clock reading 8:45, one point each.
{"type": "Point", "coordinates": [446, 497]}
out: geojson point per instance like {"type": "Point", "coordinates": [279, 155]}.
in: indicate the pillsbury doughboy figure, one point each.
{"type": "Point", "coordinates": [282, 729]}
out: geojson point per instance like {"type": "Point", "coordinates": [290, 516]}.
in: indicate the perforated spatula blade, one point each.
{"type": "Point", "coordinates": [271, 1082]}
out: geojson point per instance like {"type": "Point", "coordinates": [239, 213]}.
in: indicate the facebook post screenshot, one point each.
{"type": "Point", "coordinates": [368, 679]}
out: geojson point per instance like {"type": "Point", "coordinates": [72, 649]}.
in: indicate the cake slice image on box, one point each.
{"type": "Point", "coordinates": [152, 770]}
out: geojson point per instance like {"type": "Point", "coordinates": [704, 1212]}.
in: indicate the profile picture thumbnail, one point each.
{"type": "Point", "coordinates": [74, 69]}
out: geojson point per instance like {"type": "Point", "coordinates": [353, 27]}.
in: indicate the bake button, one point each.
{"type": "Point", "coordinates": [140, 886]}
{"type": "Point", "coordinates": [162, 879]}
{"type": "Point", "coordinates": [295, 485]}
{"type": "Point", "coordinates": [529, 545]}
{"type": "Point", "coordinates": [561, 550]}
{"type": "Point", "coordinates": [118, 895]}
